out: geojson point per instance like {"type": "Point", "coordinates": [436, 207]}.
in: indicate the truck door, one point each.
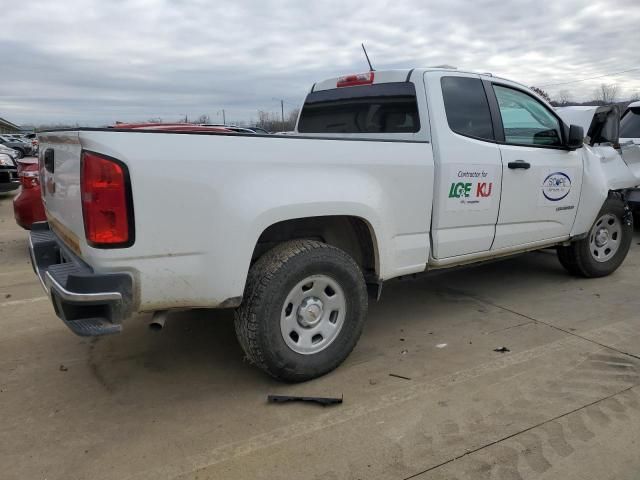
{"type": "Point", "coordinates": [541, 179]}
{"type": "Point", "coordinates": [468, 168]}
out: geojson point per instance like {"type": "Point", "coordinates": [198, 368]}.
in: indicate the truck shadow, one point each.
{"type": "Point", "coordinates": [199, 347]}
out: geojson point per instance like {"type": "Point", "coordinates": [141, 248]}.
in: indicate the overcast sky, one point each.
{"type": "Point", "coordinates": [95, 62]}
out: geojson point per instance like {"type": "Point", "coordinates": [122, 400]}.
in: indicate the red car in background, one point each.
{"type": "Point", "coordinates": [27, 205]}
{"type": "Point", "coordinates": [172, 127]}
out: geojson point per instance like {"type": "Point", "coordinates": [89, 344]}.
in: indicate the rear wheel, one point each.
{"type": "Point", "coordinates": [303, 311]}
{"type": "Point", "coordinates": [606, 245]}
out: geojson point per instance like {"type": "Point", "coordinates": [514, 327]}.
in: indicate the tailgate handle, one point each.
{"type": "Point", "coordinates": [49, 163]}
{"type": "Point", "coordinates": [519, 164]}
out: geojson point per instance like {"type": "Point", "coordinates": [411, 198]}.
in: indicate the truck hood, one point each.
{"type": "Point", "coordinates": [619, 158]}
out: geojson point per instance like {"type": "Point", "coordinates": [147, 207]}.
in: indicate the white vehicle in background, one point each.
{"type": "Point", "coordinates": [630, 126]}
{"type": "Point", "coordinates": [389, 173]}
{"type": "Point", "coordinates": [603, 131]}
{"type": "Point", "coordinates": [612, 139]}
{"type": "Point", "coordinates": [9, 151]}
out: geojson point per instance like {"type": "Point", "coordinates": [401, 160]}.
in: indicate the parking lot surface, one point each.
{"type": "Point", "coordinates": [563, 402]}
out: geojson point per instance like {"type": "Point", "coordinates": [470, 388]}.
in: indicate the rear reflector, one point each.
{"type": "Point", "coordinates": [356, 79]}
{"type": "Point", "coordinates": [106, 201]}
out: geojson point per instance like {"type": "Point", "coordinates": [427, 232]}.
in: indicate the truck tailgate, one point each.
{"type": "Point", "coordinates": [60, 179]}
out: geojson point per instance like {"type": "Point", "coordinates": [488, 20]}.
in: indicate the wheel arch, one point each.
{"type": "Point", "coordinates": [352, 234]}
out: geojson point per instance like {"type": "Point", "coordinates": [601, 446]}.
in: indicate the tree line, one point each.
{"type": "Point", "coordinates": [605, 94]}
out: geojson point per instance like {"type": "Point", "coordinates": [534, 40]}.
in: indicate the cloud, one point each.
{"type": "Point", "coordinates": [95, 62]}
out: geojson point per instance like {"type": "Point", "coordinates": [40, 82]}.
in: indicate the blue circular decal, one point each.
{"type": "Point", "coordinates": [556, 186]}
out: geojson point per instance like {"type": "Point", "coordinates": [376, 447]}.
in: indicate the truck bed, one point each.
{"type": "Point", "coordinates": [202, 200]}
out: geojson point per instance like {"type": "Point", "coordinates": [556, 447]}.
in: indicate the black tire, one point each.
{"type": "Point", "coordinates": [20, 152]}
{"type": "Point", "coordinates": [271, 279]}
{"type": "Point", "coordinates": [578, 258]}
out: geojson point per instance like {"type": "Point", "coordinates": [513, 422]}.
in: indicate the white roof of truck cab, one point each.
{"type": "Point", "coordinates": [406, 74]}
{"type": "Point", "coordinates": [400, 75]}
{"type": "Point", "coordinates": [634, 105]}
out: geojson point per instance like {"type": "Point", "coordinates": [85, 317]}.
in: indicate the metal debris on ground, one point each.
{"type": "Point", "coordinates": [501, 350]}
{"type": "Point", "coordinates": [399, 376]}
{"type": "Point", "coordinates": [324, 401]}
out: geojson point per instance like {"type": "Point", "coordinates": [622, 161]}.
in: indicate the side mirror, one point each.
{"type": "Point", "coordinates": [576, 137]}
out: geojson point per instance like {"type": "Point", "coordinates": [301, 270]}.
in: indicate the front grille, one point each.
{"type": "Point", "coordinates": [7, 176]}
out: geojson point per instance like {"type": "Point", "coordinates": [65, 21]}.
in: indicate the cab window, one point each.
{"type": "Point", "coordinates": [467, 108]}
{"type": "Point", "coordinates": [378, 108]}
{"type": "Point", "coordinates": [526, 121]}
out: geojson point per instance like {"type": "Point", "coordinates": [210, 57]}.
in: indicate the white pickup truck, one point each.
{"type": "Point", "coordinates": [390, 173]}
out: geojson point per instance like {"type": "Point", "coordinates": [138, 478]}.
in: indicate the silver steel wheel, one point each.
{"type": "Point", "coordinates": [605, 237]}
{"type": "Point", "coordinates": [313, 314]}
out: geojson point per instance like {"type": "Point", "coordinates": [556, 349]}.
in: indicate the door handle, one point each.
{"type": "Point", "coordinates": [519, 164]}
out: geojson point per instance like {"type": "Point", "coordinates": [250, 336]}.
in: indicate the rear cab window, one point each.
{"type": "Point", "coordinates": [390, 107]}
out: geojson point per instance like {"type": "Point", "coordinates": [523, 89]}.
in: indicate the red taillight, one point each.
{"type": "Point", "coordinates": [106, 201]}
{"type": "Point", "coordinates": [356, 79]}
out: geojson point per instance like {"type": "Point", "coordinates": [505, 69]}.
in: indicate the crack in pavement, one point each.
{"type": "Point", "coordinates": [385, 399]}
{"type": "Point", "coordinates": [201, 461]}
{"type": "Point", "coordinates": [500, 440]}
{"type": "Point", "coordinates": [532, 319]}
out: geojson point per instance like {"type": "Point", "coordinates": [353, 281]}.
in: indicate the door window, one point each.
{"type": "Point", "coordinates": [526, 121]}
{"type": "Point", "coordinates": [467, 108]}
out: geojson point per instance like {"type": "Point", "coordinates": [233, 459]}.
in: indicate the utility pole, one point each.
{"type": "Point", "coordinates": [224, 118]}
{"type": "Point", "coordinates": [282, 111]}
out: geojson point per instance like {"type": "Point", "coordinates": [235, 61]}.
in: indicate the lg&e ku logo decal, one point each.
{"type": "Point", "coordinates": [461, 189]}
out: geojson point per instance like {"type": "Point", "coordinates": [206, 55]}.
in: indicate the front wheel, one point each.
{"type": "Point", "coordinates": [303, 311]}
{"type": "Point", "coordinates": [606, 246]}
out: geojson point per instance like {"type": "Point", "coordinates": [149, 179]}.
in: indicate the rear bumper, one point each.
{"type": "Point", "coordinates": [90, 304]}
